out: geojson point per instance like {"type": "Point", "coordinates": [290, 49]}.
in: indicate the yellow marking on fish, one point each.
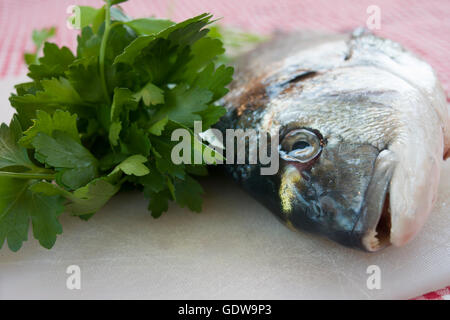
{"type": "Point", "coordinates": [289, 180]}
{"type": "Point", "coordinates": [291, 226]}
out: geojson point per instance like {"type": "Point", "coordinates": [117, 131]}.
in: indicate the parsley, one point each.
{"type": "Point", "coordinates": [90, 122]}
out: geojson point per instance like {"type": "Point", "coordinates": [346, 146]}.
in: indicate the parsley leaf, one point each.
{"type": "Point", "coordinates": [159, 126]}
{"type": "Point", "coordinates": [11, 154]}
{"type": "Point", "coordinates": [150, 95]}
{"type": "Point", "coordinates": [84, 76]}
{"type": "Point", "coordinates": [183, 103]}
{"type": "Point", "coordinates": [136, 141]}
{"type": "Point", "coordinates": [53, 64]}
{"type": "Point", "coordinates": [46, 123]}
{"type": "Point", "coordinates": [188, 192]}
{"type": "Point", "coordinates": [92, 197]}
{"type": "Point", "coordinates": [148, 26]}
{"type": "Point", "coordinates": [91, 122]}
{"type": "Point", "coordinates": [19, 205]}
{"type": "Point", "coordinates": [133, 165]}
{"type": "Point", "coordinates": [56, 94]}
{"type": "Point", "coordinates": [76, 166]}
{"type": "Point", "coordinates": [39, 37]}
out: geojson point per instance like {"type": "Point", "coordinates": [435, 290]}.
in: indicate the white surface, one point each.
{"type": "Point", "coordinates": [234, 249]}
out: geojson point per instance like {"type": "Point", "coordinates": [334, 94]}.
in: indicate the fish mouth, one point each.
{"type": "Point", "coordinates": [373, 227]}
{"type": "Point", "coordinates": [379, 237]}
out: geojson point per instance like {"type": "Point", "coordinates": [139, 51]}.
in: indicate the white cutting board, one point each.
{"type": "Point", "coordinates": [235, 249]}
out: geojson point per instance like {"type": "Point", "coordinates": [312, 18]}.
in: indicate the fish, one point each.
{"type": "Point", "coordinates": [363, 127]}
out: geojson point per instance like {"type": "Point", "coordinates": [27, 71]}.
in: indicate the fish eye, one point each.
{"type": "Point", "coordinates": [300, 145]}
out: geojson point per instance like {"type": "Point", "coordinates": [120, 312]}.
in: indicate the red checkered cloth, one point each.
{"type": "Point", "coordinates": [443, 294]}
{"type": "Point", "coordinates": [421, 26]}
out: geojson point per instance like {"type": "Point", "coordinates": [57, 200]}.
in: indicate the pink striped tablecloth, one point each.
{"type": "Point", "coordinates": [421, 26]}
{"type": "Point", "coordinates": [443, 294]}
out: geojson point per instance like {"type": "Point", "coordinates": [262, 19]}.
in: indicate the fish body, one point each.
{"type": "Point", "coordinates": [363, 127]}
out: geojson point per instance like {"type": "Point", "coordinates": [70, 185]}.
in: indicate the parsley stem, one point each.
{"type": "Point", "coordinates": [103, 50]}
{"type": "Point", "coordinates": [36, 57]}
{"type": "Point", "coordinates": [22, 175]}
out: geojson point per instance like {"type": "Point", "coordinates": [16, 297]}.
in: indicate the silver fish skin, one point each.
{"type": "Point", "coordinates": [376, 113]}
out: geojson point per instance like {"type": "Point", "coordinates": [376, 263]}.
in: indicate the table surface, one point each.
{"type": "Point", "coordinates": [234, 249]}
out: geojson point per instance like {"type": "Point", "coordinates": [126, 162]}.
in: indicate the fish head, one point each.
{"type": "Point", "coordinates": [360, 161]}
{"type": "Point", "coordinates": [341, 191]}
{"type": "Point", "coordinates": [363, 127]}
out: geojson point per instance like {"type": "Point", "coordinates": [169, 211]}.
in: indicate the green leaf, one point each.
{"type": "Point", "coordinates": [111, 160]}
{"type": "Point", "coordinates": [154, 182]}
{"type": "Point", "coordinates": [120, 106]}
{"type": "Point", "coordinates": [28, 88]}
{"type": "Point", "coordinates": [197, 170]}
{"type": "Point", "coordinates": [19, 205]}
{"type": "Point", "coordinates": [84, 76]}
{"type": "Point", "coordinates": [62, 151]}
{"type": "Point", "coordinates": [204, 51]}
{"type": "Point", "coordinates": [114, 133]}
{"type": "Point", "coordinates": [44, 212]}
{"type": "Point", "coordinates": [149, 26]}
{"type": "Point", "coordinates": [188, 192]}
{"type": "Point", "coordinates": [136, 141]}
{"type": "Point", "coordinates": [76, 177]}
{"type": "Point", "coordinates": [159, 202]}
{"type": "Point", "coordinates": [189, 31]}
{"type": "Point", "coordinates": [99, 19]}
{"type": "Point", "coordinates": [163, 146]}
{"type": "Point", "coordinates": [113, 2]}
{"type": "Point", "coordinates": [183, 103]}
{"type": "Point", "coordinates": [134, 49]}
{"type": "Point", "coordinates": [161, 61]}
{"type": "Point", "coordinates": [133, 165]}
{"type": "Point", "coordinates": [184, 33]}
{"type": "Point", "coordinates": [123, 101]}
{"type": "Point", "coordinates": [76, 164]}
{"type": "Point", "coordinates": [214, 80]}
{"type": "Point", "coordinates": [92, 197]}
{"type": "Point", "coordinates": [117, 14]}
{"type": "Point", "coordinates": [49, 189]}
{"type": "Point", "coordinates": [86, 200]}
{"type": "Point", "coordinates": [88, 44]}
{"type": "Point", "coordinates": [150, 95]}
{"type": "Point", "coordinates": [40, 36]}
{"type": "Point", "coordinates": [29, 58]}
{"type": "Point", "coordinates": [157, 128]}
{"type": "Point", "coordinates": [56, 94]}
{"type": "Point", "coordinates": [46, 123]}
{"type": "Point", "coordinates": [119, 38]}
{"type": "Point", "coordinates": [11, 153]}
{"type": "Point", "coordinates": [211, 116]}
{"type": "Point", "coordinates": [84, 15]}
{"type": "Point", "coordinates": [53, 64]}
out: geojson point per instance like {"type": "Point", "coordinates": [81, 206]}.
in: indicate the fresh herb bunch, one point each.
{"type": "Point", "coordinates": [92, 122]}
